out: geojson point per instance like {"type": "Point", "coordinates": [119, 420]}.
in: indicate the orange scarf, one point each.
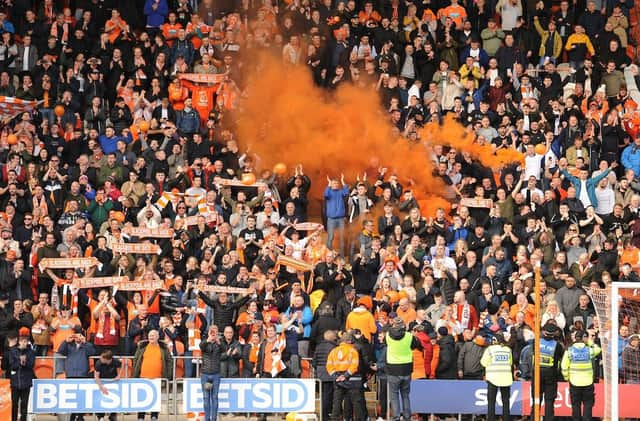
{"type": "Point", "coordinates": [65, 32]}
{"type": "Point", "coordinates": [101, 320]}
{"type": "Point", "coordinates": [42, 205]}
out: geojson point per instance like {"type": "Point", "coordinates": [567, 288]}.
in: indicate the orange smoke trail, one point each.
{"type": "Point", "coordinates": [450, 133]}
{"type": "Point", "coordinates": [286, 118]}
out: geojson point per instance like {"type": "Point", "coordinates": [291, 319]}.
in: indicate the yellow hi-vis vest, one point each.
{"type": "Point", "coordinates": [577, 363]}
{"type": "Point", "coordinates": [399, 351]}
{"type": "Point", "coordinates": [497, 361]}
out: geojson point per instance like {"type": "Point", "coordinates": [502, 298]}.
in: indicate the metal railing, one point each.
{"type": "Point", "coordinates": [170, 387]}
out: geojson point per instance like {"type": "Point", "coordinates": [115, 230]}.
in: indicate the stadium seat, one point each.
{"type": "Point", "coordinates": [43, 368]}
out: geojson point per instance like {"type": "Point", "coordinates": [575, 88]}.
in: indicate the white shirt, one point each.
{"type": "Point", "coordinates": [606, 200]}
{"type": "Point", "coordinates": [447, 262]}
{"type": "Point", "coordinates": [414, 91]}
{"type": "Point", "coordinates": [584, 196]}
{"type": "Point", "coordinates": [298, 247]}
{"type": "Point", "coordinates": [25, 58]}
{"type": "Point", "coordinates": [533, 166]}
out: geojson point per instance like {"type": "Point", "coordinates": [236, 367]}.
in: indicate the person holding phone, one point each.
{"type": "Point", "coordinates": [78, 351]}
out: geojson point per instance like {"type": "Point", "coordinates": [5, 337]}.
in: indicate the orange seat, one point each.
{"type": "Point", "coordinates": [43, 368]}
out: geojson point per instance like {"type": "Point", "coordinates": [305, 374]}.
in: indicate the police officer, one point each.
{"type": "Point", "coordinates": [550, 356]}
{"type": "Point", "coordinates": [577, 368]}
{"type": "Point", "coordinates": [497, 361]}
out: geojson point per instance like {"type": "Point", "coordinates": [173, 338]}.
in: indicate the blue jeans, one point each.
{"type": "Point", "coordinates": [333, 225]}
{"type": "Point", "coordinates": [210, 397]}
{"type": "Point", "coordinates": [399, 387]}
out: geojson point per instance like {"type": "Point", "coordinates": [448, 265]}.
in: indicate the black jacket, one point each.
{"type": "Point", "coordinates": [365, 274]}
{"type": "Point", "coordinates": [223, 314]}
{"type": "Point", "coordinates": [343, 308]}
{"type": "Point", "coordinates": [324, 323]}
{"type": "Point", "coordinates": [319, 362]}
{"type": "Point", "coordinates": [231, 366]}
{"type": "Point", "coordinates": [7, 322]}
{"type": "Point", "coordinates": [447, 358]}
{"type": "Point", "coordinates": [329, 284]}
{"type": "Point", "coordinates": [210, 357]}
{"type": "Point", "coordinates": [21, 375]}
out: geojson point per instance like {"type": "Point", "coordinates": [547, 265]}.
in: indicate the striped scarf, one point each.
{"type": "Point", "coordinates": [277, 365]}
{"type": "Point", "coordinates": [68, 294]}
{"type": "Point", "coordinates": [65, 32]}
{"type": "Point", "coordinates": [101, 320]}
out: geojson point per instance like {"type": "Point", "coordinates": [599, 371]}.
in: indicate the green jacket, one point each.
{"type": "Point", "coordinates": [106, 172]}
{"type": "Point", "coordinates": [167, 360]}
{"type": "Point", "coordinates": [99, 213]}
{"type": "Point", "coordinates": [491, 40]}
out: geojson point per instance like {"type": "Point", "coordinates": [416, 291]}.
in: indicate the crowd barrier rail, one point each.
{"type": "Point", "coordinates": [177, 397]}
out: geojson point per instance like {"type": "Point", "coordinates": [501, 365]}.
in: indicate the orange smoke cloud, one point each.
{"type": "Point", "coordinates": [286, 118]}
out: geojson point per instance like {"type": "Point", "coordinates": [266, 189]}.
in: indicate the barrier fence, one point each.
{"type": "Point", "coordinates": [183, 394]}
{"type": "Point", "coordinates": [54, 394]}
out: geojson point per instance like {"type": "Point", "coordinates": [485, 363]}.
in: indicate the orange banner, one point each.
{"type": "Point", "coordinates": [107, 281]}
{"type": "Point", "coordinates": [238, 183]}
{"type": "Point", "coordinates": [294, 263]}
{"type": "Point", "coordinates": [202, 78]}
{"type": "Point", "coordinates": [193, 220]}
{"type": "Point", "coordinates": [135, 248]}
{"type": "Point", "coordinates": [472, 202]}
{"type": "Point", "coordinates": [228, 290]}
{"type": "Point", "coordinates": [141, 285]}
{"type": "Point", "coordinates": [307, 226]}
{"type": "Point", "coordinates": [5, 399]}
{"type": "Point", "coordinates": [63, 263]}
{"type": "Point", "coordinates": [143, 232]}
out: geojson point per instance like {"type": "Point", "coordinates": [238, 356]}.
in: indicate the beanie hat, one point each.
{"type": "Point", "coordinates": [365, 301]}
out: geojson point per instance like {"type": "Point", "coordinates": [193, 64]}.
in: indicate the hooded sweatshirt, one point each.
{"type": "Point", "coordinates": [361, 318]}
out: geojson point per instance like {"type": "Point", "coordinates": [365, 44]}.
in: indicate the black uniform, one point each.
{"type": "Point", "coordinates": [551, 352]}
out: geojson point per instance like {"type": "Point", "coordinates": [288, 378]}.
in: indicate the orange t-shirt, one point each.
{"type": "Point", "coordinates": [408, 316]}
{"type": "Point", "coordinates": [202, 97]}
{"type": "Point", "coordinates": [177, 95]}
{"type": "Point", "coordinates": [151, 362]}
{"type": "Point", "coordinates": [63, 331]}
{"type": "Point", "coordinates": [631, 256]}
{"type": "Point", "coordinates": [113, 29]}
{"type": "Point", "coordinates": [170, 32]}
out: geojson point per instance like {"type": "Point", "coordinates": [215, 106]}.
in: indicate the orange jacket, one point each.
{"type": "Point", "coordinates": [434, 361]}
{"type": "Point", "coordinates": [343, 358]}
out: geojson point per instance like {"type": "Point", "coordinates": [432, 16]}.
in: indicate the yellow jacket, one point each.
{"type": "Point", "coordinates": [544, 36]}
{"type": "Point", "coordinates": [472, 72]}
{"type": "Point", "coordinates": [497, 361]}
{"type": "Point", "coordinates": [580, 39]}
